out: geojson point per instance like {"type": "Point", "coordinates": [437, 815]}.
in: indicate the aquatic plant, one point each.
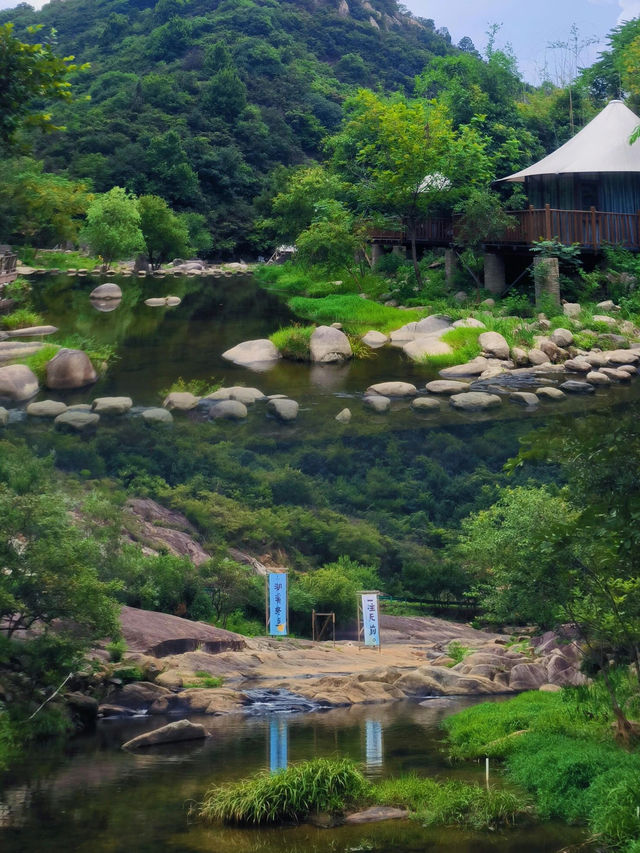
{"type": "Point", "coordinates": [197, 387]}
{"type": "Point", "coordinates": [319, 785]}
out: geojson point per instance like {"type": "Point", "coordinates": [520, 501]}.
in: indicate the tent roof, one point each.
{"type": "Point", "coordinates": [601, 146]}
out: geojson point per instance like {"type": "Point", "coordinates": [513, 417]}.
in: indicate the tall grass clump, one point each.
{"type": "Point", "coordinates": [356, 314]}
{"type": "Point", "coordinates": [463, 341]}
{"type": "Point", "coordinates": [293, 342]}
{"type": "Point", "coordinates": [39, 360]}
{"type": "Point", "coordinates": [452, 803]}
{"type": "Point", "coordinates": [21, 318]}
{"type": "Point", "coordinates": [319, 785]}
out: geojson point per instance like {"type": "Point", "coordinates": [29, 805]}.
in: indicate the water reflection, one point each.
{"type": "Point", "coordinates": [373, 746]}
{"type": "Point", "coordinates": [278, 743]}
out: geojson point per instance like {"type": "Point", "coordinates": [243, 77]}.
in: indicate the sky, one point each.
{"type": "Point", "coordinates": [530, 26]}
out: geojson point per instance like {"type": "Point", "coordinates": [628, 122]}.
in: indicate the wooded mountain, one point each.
{"type": "Point", "coordinates": [199, 101]}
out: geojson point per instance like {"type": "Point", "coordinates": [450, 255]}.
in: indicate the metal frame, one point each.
{"type": "Point", "coordinates": [330, 618]}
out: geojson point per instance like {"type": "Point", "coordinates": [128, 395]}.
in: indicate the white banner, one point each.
{"type": "Point", "coordinates": [370, 619]}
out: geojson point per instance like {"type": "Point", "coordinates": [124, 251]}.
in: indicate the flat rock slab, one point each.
{"type": "Point", "coordinates": [374, 339]}
{"type": "Point", "coordinates": [471, 368]}
{"type": "Point", "coordinates": [615, 374]}
{"type": "Point", "coordinates": [436, 323]}
{"type": "Point", "coordinates": [70, 368]}
{"type": "Point", "coordinates": [77, 421]}
{"type": "Point", "coordinates": [577, 365]}
{"type": "Point", "coordinates": [46, 409]}
{"type": "Point", "coordinates": [572, 386]}
{"type": "Point", "coordinates": [248, 396]}
{"type": "Point", "coordinates": [622, 356]}
{"type": "Point", "coordinates": [176, 732]}
{"type": "Point", "coordinates": [229, 410]}
{"type": "Point", "coordinates": [162, 634]}
{"type": "Point", "coordinates": [446, 386]}
{"type": "Point", "coordinates": [112, 405]}
{"type": "Point", "coordinates": [378, 403]}
{"type": "Point", "coordinates": [376, 814]}
{"type": "Point", "coordinates": [404, 333]}
{"type": "Point", "coordinates": [423, 346]}
{"type": "Point", "coordinates": [157, 415]}
{"type": "Point", "coordinates": [475, 401]}
{"type": "Point", "coordinates": [425, 404]}
{"type": "Point", "coordinates": [524, 398]}
{"type": "Point", "coordinates": [182, 401]}
{"type": "Point", "coordinates": [31, 331]}
{"type": "Point", "coordinates": [393, 389]}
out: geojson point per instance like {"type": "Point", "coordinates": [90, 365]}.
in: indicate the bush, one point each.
{"type": "Point", "coordinates": [320, 785]}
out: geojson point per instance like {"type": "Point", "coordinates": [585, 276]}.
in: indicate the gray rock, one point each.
{"type": "Point", "coordinates": [549, 392]}
{"type": "Point", "coordinates": [4, 416]}
{"type": "Point", "coordinates": [469, 323]}
{"type": "Point", "coordinates": [596, 359]}
{"type": "Point", "coordinates": [524, 398]}
{"type": "Point", "coordinates": [70, 368]}
{"type": "Point", "coordinates": [575, 387]}
{"type": "Point", "coordinates": [470, 368]}
{"type": "Point", "coordinates": [176, 732]}
{"type": "Point", "coordinates": [577, 365]}
{"type": "Point", "coordinates": [230, 410]}
{"type": "Point", "coordinates": [375, 814]}
{"type": "Point", "coordinates": [378, 403]}
{"type": "Point", "coordinates": [108, 290]}
{"type": "Point", "coordinates": [621, 356]}
{"type": "Point", "coordinates": [527, 676]}
{"type": "Point", "coordinates": [494, 344]}
{"type": "Point", "coordinates": [595, 377]}
{"type": "Point", "coordinates": [561, 337]}
{"type": "Point", "coordinates": [554, 352]}
{"type": "Point", "coordinates": [155, 302]}
{"type": "Point", "coordinates": [374, 339]}
{"type": "Point", "coordinates": [537, 356]}
{"type": "Point", "coordinates": [488, 303]}
{"type": "Point", "coordinates": [435, 323]}
{"type": "Point", "coordinates": [423, 346]}
{"type": "Point", "coordinates": [328, 345]}
{"type": "Point", "coordinates": [17, 382]}
{"type": "Point", "coordinates": [183, 401]}
{"type": "Point", "coordinates": [157, 415]}
{"type": "Point", "coordinates": [519, 357]}
{"type": "Point", "coordinates": [252, 352]}
{"type": "Point", "coordinates": [631, 369]}
{"type": "Point", "coordinates": [608, 305]}
{"type": "Point", "coordinates": [404, 333]}
{"type": "Point", "coordinates": [79, 407]}
{"type": "Point", "coordinates": [446, 386]}
{"type": "Point", "coordinates": [475, 401]}
{"type": "Point", "coordinates": [604, 318]}
{"type": "Point", "coordinates": [615, 374]}
{"type": "Point", "coordinates": [393, 389]}
{"type": "Point", "coordinates": [285, 410]}
{"type": "Point", "coordinates": [425, 404]}
{"type": "Point", "coordinates": [248, 396]}
{"type": "Point", "coordinates": [344, 416]}
{"type": "Point", "coordinates": [571, 309]}
{"type": "Point", "coordinates": [46, 409]}
{"type": "Point", "coordinates": [32, 331]}
{"type": "Point", "coordinates": [112, 405]}
{"type": "Point", "coordinates": [77, 421]}
{"type": "Point", "coordinates": [608, 339]}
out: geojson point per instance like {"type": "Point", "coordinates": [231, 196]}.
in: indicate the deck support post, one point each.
{"type": "Point", "coordinates": [494, 277]}
{"type": "Point", "coordinates": [399, 249]}
{"type": "Point", "coordinates": [376, 254]}
{"type": "Point", "coordinates": [546, 277]}
{"type": "Point", "coordinates": [450, 266]}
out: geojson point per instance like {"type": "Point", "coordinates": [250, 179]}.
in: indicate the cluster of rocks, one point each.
{"type": "Point", "coordinates": [232, 403]}
{"type": "Point", "coordinates": [327, 345]}
{"type": "Point", "coordinates": [68, 369]}
{"type": "Point", "coordinates": [179, 268]}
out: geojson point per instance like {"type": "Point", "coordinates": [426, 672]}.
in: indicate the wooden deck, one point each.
{"type": "Point", "coordinates": [592, 229]}
{"type": "Point", "coordinates": [8, 262]}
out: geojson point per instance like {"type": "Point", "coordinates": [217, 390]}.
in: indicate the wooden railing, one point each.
{"type": "Point", "coordinates": [592, 229]}
{"type": "Point", "coordinates": [8, 262]}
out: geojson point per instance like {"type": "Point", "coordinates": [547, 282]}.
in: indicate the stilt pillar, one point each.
{"type": "Point", "coordinates": [494, 278]}
{"type": "Point", "coordinates": [546, 277]}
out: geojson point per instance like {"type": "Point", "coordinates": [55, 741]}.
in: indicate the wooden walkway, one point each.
{"type": "Point", "coordinates": [8, 263]}
{"type": "Point", "coordinates": [592, 229]}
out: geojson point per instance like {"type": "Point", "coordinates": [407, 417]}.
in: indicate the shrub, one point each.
{"type": "Point", "coordinates": [457, 652]}
{"type": "Point", "coordinates": [322, 785]}
{"type": "Point", "coordinates": [18, 290]}
{"type": "Point", "coordinates": [116, 650]}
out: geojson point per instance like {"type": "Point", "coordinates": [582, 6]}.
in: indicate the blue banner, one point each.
{"type": "Point", "coordinates": [370, 619]}
{"type": "Point", "coordinates": [278, 605]}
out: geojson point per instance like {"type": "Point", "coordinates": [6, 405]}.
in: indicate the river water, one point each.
{"type": "Point", "coordinates": [90, 796]}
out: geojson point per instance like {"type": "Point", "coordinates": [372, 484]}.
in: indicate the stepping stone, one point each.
{"type": "Point", "coordinates": [378, 403]}
{"type": "Point", "coordinates": [524, 398]}
{"type": "Point", "coordinates": [392, 389]}
{"type": "Point", "coordinates": [425, 404]}
{"type": "Point", "coordinates": [446, 386]}
{"type": "Point", "coordinates": [46, 409]}
{"type": "Point", "coordinates": [475, 401]}
{"type": "Point", "coordinates": [285, 410]}
{"type": "Point", "coordinates": [574, 387]}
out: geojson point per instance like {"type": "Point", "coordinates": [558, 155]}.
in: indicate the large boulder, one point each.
{"type": "Point", "coordinates": [470, 368]}
{"type": "Point", "coordinates": [182, 401]}
{"type": "Point", "coordinates": [549, 392]}
{"type": "Point", "coordinates": [70, 368]}
{"type": "Point", "coordinates": [328, 345]}
{"type": "Point", "coordinates": [108, 290]}
{"type": "Point", "coordinates": [475, 401]}
{"type": "Point", "coordinates": [595, 377]}
{"type": "Point", "coordinates": [403, 334]}
{"type": "Point", "coordinates": [622, 356]}
{"type": "Point", "coordinates": [494, 344]}
{"type": "Point", "coordinates": [561, 337]}
{"type": "Point", "coordinates": [423, 346]}
{"type": "Point", "coordinates": [528, 676]}
{"type": "Point", "coordinates": [393, 389]}
{"type": "Point", "coordinates": [572, 310]}
{"type": "Point", "coordinates": [435, 323]}
{"type": "Point", "coordinates": [112, 405]}
{"type": "Point", "coordinates": [469, 323]}
{"type": "Point", "coordinates": [284, 410]}
{"type": "Point", "coordinates": [138, 696]}
{"type": "Point", "coordinates": [17, 382]}
{"type": "Point", "coordinates": [537, 356]}
{"type": "Point", "coordinates": [524, 398]}
{"type": "Point", "coordinates": [248, 396]}
{"type": "Point", "coordinates": [577, 365]}
{"type": "Point", "coordinates": [176, 732]}
{"type": "Point", "coordinates": [260, 351]}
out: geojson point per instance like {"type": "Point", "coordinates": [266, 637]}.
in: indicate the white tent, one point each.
{"type": "Point", "coordinates": [601, 146]}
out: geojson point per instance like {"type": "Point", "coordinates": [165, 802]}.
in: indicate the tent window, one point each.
{"type": "Point", "coordinates": [588, 194]}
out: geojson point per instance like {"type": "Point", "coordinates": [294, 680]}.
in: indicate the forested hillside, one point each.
{"type": "Point", "coordinates": [199, 101]}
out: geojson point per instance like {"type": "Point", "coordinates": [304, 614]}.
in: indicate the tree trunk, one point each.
{"type": "Point", "coordinates": [624, 728]}
{"type": "Point", "coordinates": [414, 257]}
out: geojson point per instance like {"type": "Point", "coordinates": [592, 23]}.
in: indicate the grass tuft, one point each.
{"type": "Point", "coordinates": [21, 318]}
{"type": "Point", "coordinates": [356, 315]}
{"type": "Point", "coordinates": [293, 342]}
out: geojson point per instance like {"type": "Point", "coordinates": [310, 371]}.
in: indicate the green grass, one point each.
{"type": "Point", "coordinates": [39, 360]}
{"type": "Point", "coordinates": [457, 652]}
{"type": "Point", "coordinates": [357, 315]}
{"type": "Point", "coordinates": [319, 785]}
{"type": "Point", "coordinates": [21, 318]}
{"type": "Point", "coordinates": [197, 387]}
{"type": "Point", "coordinates": [452, 803]}
{"type": "Point", "coordinates": [56, 260]}
{"type": "Point", "coordinates": [293, 342]}
{"type": "Point", "coordinates": [204, 679]}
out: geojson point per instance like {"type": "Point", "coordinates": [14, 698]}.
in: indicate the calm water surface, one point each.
{"type": "Point", "coordinates": [92, 797]}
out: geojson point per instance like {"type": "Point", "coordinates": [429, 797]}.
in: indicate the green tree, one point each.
{"type": "Point", "coordinates": [164, 233]}
{"type": "Point", "coordinates": [334, 586]}
{"type": "Point", "coordinates": [112, 229]}
{"type": "Point", "coordinates": [29, 72]}
{"type": "Point", "coordinates": [404, 160]}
